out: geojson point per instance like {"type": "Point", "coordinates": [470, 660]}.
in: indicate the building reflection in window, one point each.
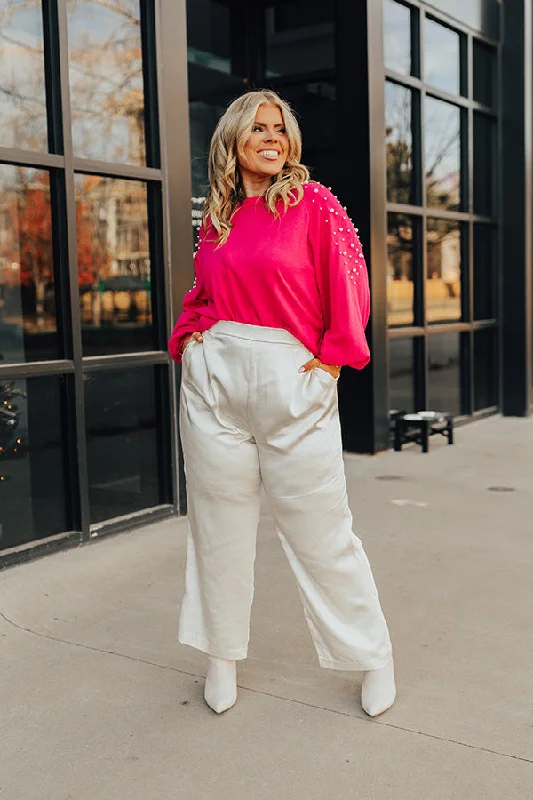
{"type": "Point", "coordinates": [106, 80]}
{"type": "Point", "coordinates": [444, 373]}
{"type": "Point", "coordinates": [124, 441]}
{"type": "Point", "coordinates": [397, 37]}
{"type": "Point", "coordinates": [33, 501]}
{"type": "Point", "coordinates": [400, 282]}
{"type": "Point", "coordinates": [443, 284]}
{"type": "Point", "coordinates": [22, 87]}
{"type": "Point", "coordinates": [441, 57]}
{"type": "Point", "coordinates": [443, 154]}
{"type": "Point", "coordinates": [28, 330]}
{"type": "Point", "coordinates": [398, 143]}
{"type": "Point", "coordinates": [113, 265]}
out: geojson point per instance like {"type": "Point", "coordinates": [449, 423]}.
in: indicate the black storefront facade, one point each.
{"type": "Point", "coordinates": [419, 115]}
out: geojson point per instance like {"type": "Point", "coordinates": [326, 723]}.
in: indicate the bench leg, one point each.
{"type": "Point", "coordinates": [425, 437]}
{"type": "Point", "coordinates": [450, 432]}
{"type": "Point", "coordinates": [398, 436]}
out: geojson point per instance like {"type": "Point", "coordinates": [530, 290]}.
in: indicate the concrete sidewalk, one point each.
{"type": "Point", "coordinates": [100, 703]}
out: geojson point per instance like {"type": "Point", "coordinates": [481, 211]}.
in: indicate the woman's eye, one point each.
{"type": "Point", "coordinates": [256, 128]}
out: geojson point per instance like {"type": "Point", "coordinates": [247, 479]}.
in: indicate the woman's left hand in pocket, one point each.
{"type": "Point", "coordinates": [316, 363]}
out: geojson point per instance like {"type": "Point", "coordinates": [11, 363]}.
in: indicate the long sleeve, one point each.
{"type": "Point", "coordinates": [342, 281]}
{"type": "Point", "coordinates": [194, 301]}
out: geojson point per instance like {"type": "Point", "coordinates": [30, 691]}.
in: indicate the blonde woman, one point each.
{"type": "Point", "coordinates": [280, 303]}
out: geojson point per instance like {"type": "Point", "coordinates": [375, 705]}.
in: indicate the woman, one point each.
{"type": "Point", "coordinates": [280, 303]}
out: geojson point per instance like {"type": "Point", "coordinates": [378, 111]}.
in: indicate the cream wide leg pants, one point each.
{"type": "Point", "coordinates": [249, 418]}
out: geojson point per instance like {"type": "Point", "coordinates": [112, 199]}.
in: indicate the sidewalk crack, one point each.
{"type": "Point", "coordinates": [364, 720]}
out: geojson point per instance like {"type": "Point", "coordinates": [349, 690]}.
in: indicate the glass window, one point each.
{"type": "Point", "coordinates": [443, 154]}
{"type": "Point", "coordinates": [399, 143]}
{"type": "Point", "coordinates": [444, 378]}
{"type": "Point", "coordinates": [484, 74]}
{"type": "Point", "coordinates": [300, 37]}
{"type": "Point", "coordinates": [113, 265]}
{"type": "Point", "coordinates": [485, 260]}
{"type": "Point", "coordinates": [106, 80]}
{"type": "Point", "coordinates": [216, 75]}
{"type": "Point", "coordinates": [23, 121]}
{"type": "Point", "coordinates": [441, 57]}
{"type": "Point", "coordinates": [316, 104]}
{"type": "Point", "coordinates": [443, 283]}
{"type": "Point", "coordinates": [485, 369]}
{"type": "Point", "coordinates": [397, 37]}
{"type": "Point", "coordinates": [28, 330]}
{"type": "Point", "coordinates": [123, 442]}
{"type": "Point", "coordinates": [484, 164]}
{"type": "Point", "coordinates": [33, 473]}
{"type": "Point", "coordinates": [401, 375]}
{"type": "Point", "coordinates": [400, 276]}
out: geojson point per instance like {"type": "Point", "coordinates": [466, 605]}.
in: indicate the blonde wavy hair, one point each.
{"type": "Point", "coordinates": [231, 134]}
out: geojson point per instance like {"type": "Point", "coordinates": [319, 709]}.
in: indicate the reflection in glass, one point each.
{"type": "Point", "coordinates": [106, 80]}
{"type": "Point", "coordinates": [401, 375]}
{"type": "Point", "coordinates": [398, 143]}
{"type": "Point", "coordinates": [28, 330]}
{"type": "Point", "coordinates": [485, 255]}
{"type": "Point", "coordinates": [443, 284]}
{"type": "Point", "coordinates": [443, 154]}
{"type": "Point", "coordinates": [22, 88]}
{"type": "Point", "coordinates": [444, 368]}
{"type": "Point", "coordinates": [400, 281]}
{"type": "Point", "coordinates": [441, 57]}
{"type": "Point", "coordinates": [485, 369]}
{"type": "Point", "coordinates": [215, 77]}
{"type": "Point", "coordinates": [397, 37]}
{"type": "Point", "coordinates": [484, 164]}
{"type": "Point", "coordinates": [299, 37]}
{"type": "Point", "coordinates": [484, 74]}
{"type": "Point", "coordinates": [123, 455]}
{"type": "Point", "coordinates": [113, 265]}
{"type": "Point", "coordinates": [32, 470]}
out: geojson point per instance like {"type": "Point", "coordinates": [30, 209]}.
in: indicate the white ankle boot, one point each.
{"type": "Point", "coordinates": [220, 691]}
{"type": "Point", "coordinates": [379, 689]}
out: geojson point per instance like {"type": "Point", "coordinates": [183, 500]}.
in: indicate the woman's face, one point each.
{"type": "Point", "coordinates": [266, 150]}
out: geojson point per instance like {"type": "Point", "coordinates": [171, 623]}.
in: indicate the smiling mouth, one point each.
{"type": "Point", "coordinates": [271, 155]}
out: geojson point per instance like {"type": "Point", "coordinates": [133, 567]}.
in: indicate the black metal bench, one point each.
{"type": "Point", "coordinates": [419, 427]}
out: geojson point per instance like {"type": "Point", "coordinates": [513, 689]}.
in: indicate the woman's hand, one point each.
{"type": "Point", "coordinates": [316, 363]}
{"type": "Point", "coordinates": [197, 336]}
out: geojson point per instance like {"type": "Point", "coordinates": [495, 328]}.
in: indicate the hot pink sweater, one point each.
{"type": "Point", "coordinates": [303, 272]}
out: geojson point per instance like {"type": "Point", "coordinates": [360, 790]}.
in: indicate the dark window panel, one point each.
{"type": "Point", "coordinates": [114, 265]}
{"type": "Point", "coordinates": [28, 328]}
{"type": "Point", "coordinates": [33, 473]}
{"type": "Point", "coordinates": [484, 74]}
{"type": "Point", "coordinates": [400, 273]}
{"type": "Point", "coordinates": [444, 373]}
{"type": "Point", "coordinates": [397, 37]}
{"type": "Point", "coordinates": [443, 281]}
{"type": "Point", "coordinates": [485, 369]}
{"type": "Point", "coordinates": [216, 68]}
{"type": "Point", "coordinates": [399, 143]}
{"type": "Point", "coordinates": [106, 81]}
{"type": "Point", "coordinates": [23, 120]}
{"type": "Point", "coordinates": [484, 164]}
{"type": "Point", "coordinates": [441, 57]}
{"type": "Point", "coordinates": [123, 442]}
{"type": "Point", "coordinates": [485, 260]}
{"type": "Point", "coordinates": [401, 375]}
{"type": "Point", "coordinates": [443, 154]}
{"type": "Point", "coordinates": [300, 38]}
{"type": "Point", "coordinates": [316, 104]}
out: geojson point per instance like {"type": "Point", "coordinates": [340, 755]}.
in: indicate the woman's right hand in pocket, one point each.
{"type": "Point", "coordinates": [197, 336]}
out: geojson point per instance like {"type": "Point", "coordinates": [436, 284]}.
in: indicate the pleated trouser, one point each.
{"type": "Point", "coordinates": [249, 418]}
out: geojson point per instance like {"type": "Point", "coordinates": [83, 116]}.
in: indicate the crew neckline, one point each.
{"type": "Point", "coordinates": [252, 199]}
